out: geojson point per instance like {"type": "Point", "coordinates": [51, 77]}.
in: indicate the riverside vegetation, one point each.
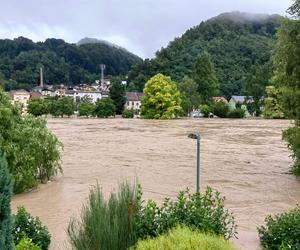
{"type": "Point", "coordinates": [32, 151]}
{"type": "Point", "coordinates": [125, 218]}
{"type": "Point", "coordinates": [21, 231]}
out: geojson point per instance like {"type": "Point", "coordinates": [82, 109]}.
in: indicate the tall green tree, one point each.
{"type": "Point", "coordinates": [189, 94]}
{"type": "Point", "coordinates": [6, 239]}
{"type": "Point", "coordinates": [162, 99]}
{"type": "Point", "coordinates": [117, 94]}
{"type": "Point", "coordinates": [205, 77]}
{"type": "Point", "coordinates": [256, 82]}
{"type": "Point", "coordinates": [287, 76]}
{"type": "Point", "coordinates": [272, 107]}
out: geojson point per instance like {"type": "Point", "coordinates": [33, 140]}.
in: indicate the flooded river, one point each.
{"type": "Point", "coordinates": [244, 159]}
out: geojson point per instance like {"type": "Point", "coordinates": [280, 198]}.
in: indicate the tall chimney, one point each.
{"type": "Point", "coordinates": [41, 77]}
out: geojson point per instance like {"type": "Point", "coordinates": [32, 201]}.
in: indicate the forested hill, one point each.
{"type": "Point", "coordinates": [64, 63]}
{"type": "Point", "coordinates": [236, 41]}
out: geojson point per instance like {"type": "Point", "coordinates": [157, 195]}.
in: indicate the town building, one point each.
{"type": "Point", "coordinates": [241, 101]}
{"type": "Point", "coordinates": [20, 97]}
{"type": "Point", "coordinates": [93, 96]}
{"type": "Point", "coordinates": [133, 101]}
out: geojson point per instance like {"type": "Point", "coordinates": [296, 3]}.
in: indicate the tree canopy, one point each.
{"type": "Point", "coordinates": [117, 94]}
{"type": "Point", "coordinates": [205, 78]}
{"type": "Point", "coordinates": [162, 99]}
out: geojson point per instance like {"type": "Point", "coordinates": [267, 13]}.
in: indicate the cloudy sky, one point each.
{"type": "Point", "coordinates": [141, 26]}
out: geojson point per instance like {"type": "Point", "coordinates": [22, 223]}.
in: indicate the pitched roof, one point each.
{"type": "Point", "coordinates": [241, 99]}
{"type": "Point", "coordinates": [220, 99]}
{"type": "Point", "coordinates": [134, 96]}
{"type": "Point", "coordinates": [35, 94]}
{"type": "Point", "coordinates": [18, 92]}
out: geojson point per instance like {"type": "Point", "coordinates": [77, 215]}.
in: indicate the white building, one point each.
{"type": "Point", "coordinates": [92, 95]}
{"type": "Point", "coordinates": [133, 101]}
{"type": "Point", "coordinates": [20, 97]}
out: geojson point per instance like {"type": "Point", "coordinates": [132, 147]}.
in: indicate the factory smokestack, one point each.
{"type": "Point", "coordinates": [41, 77]}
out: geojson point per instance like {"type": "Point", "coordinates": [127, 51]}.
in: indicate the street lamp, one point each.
{"type": "Point", "coordinates": [196, 136]}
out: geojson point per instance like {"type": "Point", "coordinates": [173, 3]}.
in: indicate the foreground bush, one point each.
{"type": "Point", "coordinates": [6, 240]}
{"type": "Point", "coordinates": [28, 227]}
{"type": "Point", "coordinates": [27, 244]}
{"type": "Point", "coordinates": [105, 224]}
{"type": "Point", "coordinates": [184, 238]}
{"type": "Point", "coordinates": [204, 212]}
{"type": "Point", "coordinates": [281, 231]}
{"type": "Point", "coordinates": [119, 222]}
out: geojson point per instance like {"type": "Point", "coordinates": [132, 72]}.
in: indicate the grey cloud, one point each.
{"type": "Point", "coordinates": [141, 26]}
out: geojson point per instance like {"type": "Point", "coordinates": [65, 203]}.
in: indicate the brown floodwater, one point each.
{"type": "Point", "coordinates": [244, 159]}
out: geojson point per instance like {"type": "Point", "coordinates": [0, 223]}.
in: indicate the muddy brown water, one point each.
{"type": "Point", "coordinates": [244, 159]}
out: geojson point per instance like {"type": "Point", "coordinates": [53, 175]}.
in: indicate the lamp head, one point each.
{"type": "Point", "coordinates": [194, 136]}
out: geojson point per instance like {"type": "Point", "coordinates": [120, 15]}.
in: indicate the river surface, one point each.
{"type": "Point", "coordinates": [245, 160]}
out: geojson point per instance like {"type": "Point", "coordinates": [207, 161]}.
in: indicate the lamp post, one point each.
{"type": "Point", "coordinates": [197, 137]}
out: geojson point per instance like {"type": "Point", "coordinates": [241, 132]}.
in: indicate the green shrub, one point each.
{"type": "Point", "coordinates": [38, 107]}
{"type": "Point", "coordinates": [281, 231]}
{"type": "Point", "coordinates": [220, 109]}
{"type": "Point", "coordinates": [106, 224]}
{"type": "Point", "coordinates": [86, 109]}
{"type": "Point", "coordinates": [184, 238]}
{"type": "Point", "coordinates": [61, 106]}
{"type": "Point", "coordinates": [26, 226]}
{"type": "Point", "coordinates": [128, 113]}
{"type": "Point", "coordinates": [105, 108]}
{"type": "Point", "coordinates": [204, 212]}
{"type": "Point", "coordinates": [27, 244]}
{"type": "Point", "coordinates": [236, 113]}
{"type": "Point", "coordinates": [6, 240]}
{"type": "Point", "coordinates": [205, 110]}
{"type": "Point", "coordinates": [32, 151]}
{"type": "Point", "coordinates": [292, 137]}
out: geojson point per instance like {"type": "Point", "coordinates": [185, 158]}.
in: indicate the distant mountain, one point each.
{"type": "Point", "coordinates": [64, 63]}
{"type": "Point", "coordinates": [236, 41]}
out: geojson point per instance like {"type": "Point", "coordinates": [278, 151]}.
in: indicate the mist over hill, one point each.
{"type": "Point", "coordinates": [236, 41]}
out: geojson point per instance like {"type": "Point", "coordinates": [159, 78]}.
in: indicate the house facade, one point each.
{"type": "Point", "coordinates": [92, 95]}
{"type": "Point", "coordinates": [20, 97]}
{"type": "Point", "coordinates": [242, 101]}
{"type": "Point", "coordinates": [134, 101]}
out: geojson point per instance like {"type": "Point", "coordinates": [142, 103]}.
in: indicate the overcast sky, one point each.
{"type": "Point", "coordinates": [141, 26]}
